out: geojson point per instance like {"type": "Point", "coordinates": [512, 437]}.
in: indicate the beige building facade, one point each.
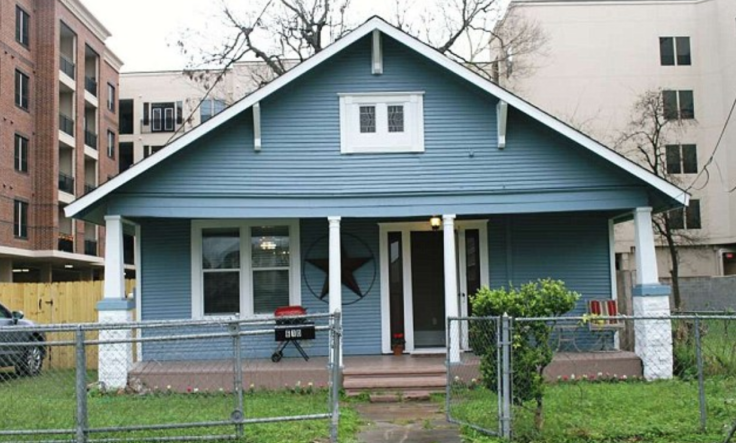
{"type": "Point", "coordinates": [159, 106]}
{"type": "Point", "coordinates": [602, 55]}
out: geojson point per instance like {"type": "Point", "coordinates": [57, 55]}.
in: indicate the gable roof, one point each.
{"type": "Point", "coordinates": [421, 48]}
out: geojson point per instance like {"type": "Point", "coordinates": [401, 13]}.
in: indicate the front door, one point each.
{"type": "Point", "coordinates": [428, 289]}
{"type": "Point", "coordinates": [413, 281]}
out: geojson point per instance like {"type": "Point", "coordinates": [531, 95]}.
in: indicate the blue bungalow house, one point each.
{"type": "Point", "coordinates": [380, 179]}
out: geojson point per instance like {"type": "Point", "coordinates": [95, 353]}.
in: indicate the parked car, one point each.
{"type": "Point", "coordinates": [27, 360]}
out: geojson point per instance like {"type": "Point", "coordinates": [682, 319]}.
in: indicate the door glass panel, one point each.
{"type": "Point", "coordinates": [472, 263]}
{"type": "Point", "coordinates": [428, 283]}
{"type": "Point", "coordinates": [396, 283]}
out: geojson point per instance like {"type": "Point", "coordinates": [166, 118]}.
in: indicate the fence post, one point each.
{"type": "Point", "coordinates": [448, 372]}
{"type": "Point", "coordinates": [505, 376]}
{"type": "Point", "coordinates": [81, 386]}
{"type": "Point", "coordinates": [701, 382]}
{"type": "Point", "coordinates": [238, 414]}
{"type": "Point", "coordinates": [335, 334]}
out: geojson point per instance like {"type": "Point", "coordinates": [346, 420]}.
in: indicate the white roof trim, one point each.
{"type": "Point", "coordinates": [376, 23]}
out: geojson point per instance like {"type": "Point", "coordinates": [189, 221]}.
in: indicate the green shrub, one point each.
{"type": "Point", "coordinates": [530, 340]}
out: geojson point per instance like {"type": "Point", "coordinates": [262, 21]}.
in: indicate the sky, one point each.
{"type": "Point", "coordinates": [145, 32]}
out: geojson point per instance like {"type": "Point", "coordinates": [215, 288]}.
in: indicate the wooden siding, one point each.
{"type": "Point", "coordinates": [300, 171]}
{"type": "Point", "coordinates": [572, 247]}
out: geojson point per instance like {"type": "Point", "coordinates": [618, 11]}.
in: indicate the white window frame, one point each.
{"type": "Point", "coordinates": [246, 268]}
{"type": "Point", "coordinates": [352, 141]}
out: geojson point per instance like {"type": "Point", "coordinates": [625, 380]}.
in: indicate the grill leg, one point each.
{"type": "Point", "coordinates": [301, 350]}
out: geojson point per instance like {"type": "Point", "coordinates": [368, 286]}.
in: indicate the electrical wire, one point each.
{"type": "Point", "coordinates": [711, 159]}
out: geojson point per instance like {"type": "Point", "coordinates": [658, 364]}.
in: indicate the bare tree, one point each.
{"type": "Point", "coordinates": [652, 128]}
{"type": "Point", "coordinates": [281, 33]}
{"type": "Point", "coordinates": [517, 43]}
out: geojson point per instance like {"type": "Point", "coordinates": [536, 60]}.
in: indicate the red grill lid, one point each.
{"type": "Point", "coordinates": [288, 311]}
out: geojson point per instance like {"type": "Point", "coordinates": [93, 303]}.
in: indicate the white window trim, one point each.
{"type": "Point", "coordinates": [381, 141]}
{"type": "Point", "coordinates": [246, 269]}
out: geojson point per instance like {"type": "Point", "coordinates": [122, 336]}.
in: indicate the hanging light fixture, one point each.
{"type": "Point", "coordinates": [435, 222]}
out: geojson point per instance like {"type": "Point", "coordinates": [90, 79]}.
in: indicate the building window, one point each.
{"type": "Point", "coordinates": [686, 218]}
{"type": "Point", "coordinates": [22, 26]}
{"type": "Point", "coordinates": [150, 150]}
{"type": "Point", "coordinates": [396, 118]}
{"type": "Point", "coordinates": [20, 219]}
{"type": "Point", "coordinates": [210, 108]}
{"type": "Point", "coordinates": [367, 119]}
{"type": "Point", "coordinates": [162, 117]}
{"type": "Point", "coordinates": [110, 97]}
{"type": "Point", "coordinates": [245, 268]}
{"type": "Point", "coordinates": [110, 144]}
{"type": "Point", "coordinates": [678, 105]}
{"type": "Point", "coordinates": [674, 51]}
{"type": "Point", "coordinates": [126, 117]}
{"type": "Point", "coordinates": [21, 153]}
{"type": "Point", "coordinates": [21, 90]}
{"type": "Point", "coordinates": [388, 122]}
{"type": "Point", "coordinates": [682, 159]}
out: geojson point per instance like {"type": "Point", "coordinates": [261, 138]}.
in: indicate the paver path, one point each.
{"type": "Point", "coordinates": [410, 422]}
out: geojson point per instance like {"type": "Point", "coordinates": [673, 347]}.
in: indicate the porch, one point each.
{"type": "Point", "coordinates": [384, 373]}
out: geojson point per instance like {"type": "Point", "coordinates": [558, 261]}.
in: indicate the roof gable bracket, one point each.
{"type": "Point", "coordinates": [257, 126]}
{"type": "Point", "coordinates": [502, 110]}
{"type": "Point", "coordinates": [377, 54]}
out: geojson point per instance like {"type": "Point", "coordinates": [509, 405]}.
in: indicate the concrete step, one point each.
{"type": "Point", "coordinates": [396, 371]}
{"type": "Point", "coordinates": [395, 382]}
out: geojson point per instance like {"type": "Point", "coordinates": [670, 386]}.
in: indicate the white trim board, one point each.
{"type": "Point", "coordinates": [428, 52]}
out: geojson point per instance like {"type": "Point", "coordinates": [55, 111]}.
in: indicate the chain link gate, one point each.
{"type": "Point", "coordinates": [478, 392]}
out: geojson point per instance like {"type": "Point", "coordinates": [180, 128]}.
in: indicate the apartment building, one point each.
{"type": "Point", "coordinates": [58, 137]}
{"type": "Point", "coordinates": [601, 55]}
{"type": "Point", "coordinates": [158, 106]}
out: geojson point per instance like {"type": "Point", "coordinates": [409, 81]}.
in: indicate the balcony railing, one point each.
{"type": "Point", "coordinates": [90, 85]}
{"type": "Point", "coordinates": [90, 247]}
{"type": "Point", "coordinates": [66, 183]}
{"type": "Point", "coordinates": [89, 188]}
{"type": "Point", "coordinates": [90, 139]}
{"type": "Point", "coordinates": [66, 124]}
{"type": "Point", "coordinates": [66, 243]}
{"type": "Point", "coordinates": [66, 66]}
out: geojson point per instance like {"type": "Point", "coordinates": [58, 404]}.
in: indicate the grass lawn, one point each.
{"type": "Point", "coordinates": [657, 412]}
{"type": "Point", "coordinates": [48, 402]}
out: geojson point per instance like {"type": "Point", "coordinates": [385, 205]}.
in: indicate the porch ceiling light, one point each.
{"type": "Point", "coordinates": [435, 222]}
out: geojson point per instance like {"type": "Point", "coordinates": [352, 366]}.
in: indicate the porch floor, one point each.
{"type": "Point", "coordinates": [360, 372]}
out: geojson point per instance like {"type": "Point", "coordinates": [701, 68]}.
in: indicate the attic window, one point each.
{"type": "Point", "coordinates": [382, 122]}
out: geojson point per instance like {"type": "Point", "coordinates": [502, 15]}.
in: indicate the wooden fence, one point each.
{"type": "Point", "coordinates": [58, 303]}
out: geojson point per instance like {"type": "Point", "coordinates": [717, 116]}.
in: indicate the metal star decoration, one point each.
{"type": "Point", "coordinates": [348, 266]}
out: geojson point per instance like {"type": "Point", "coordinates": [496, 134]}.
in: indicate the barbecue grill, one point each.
{"type": "Point", "coordinates": [291, 329]}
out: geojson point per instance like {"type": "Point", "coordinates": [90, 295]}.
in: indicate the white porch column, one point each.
{"type": "Point", "coordinates": [451, 300]}
{"type": "Point", "coordinates": [335, 274]}
{"type": "Point", "coordinates": [115, 360]}
{"type": "Point", "coordinates": [653, 338]}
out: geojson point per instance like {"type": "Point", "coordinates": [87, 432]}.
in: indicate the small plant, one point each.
{"type": "Point", "coordinates": [398, 340]}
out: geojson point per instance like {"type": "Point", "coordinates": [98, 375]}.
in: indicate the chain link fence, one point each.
{"type": "Point", "coordinates": [594, 378]}
{"type": "Point", "coordinates": [169, 381]}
